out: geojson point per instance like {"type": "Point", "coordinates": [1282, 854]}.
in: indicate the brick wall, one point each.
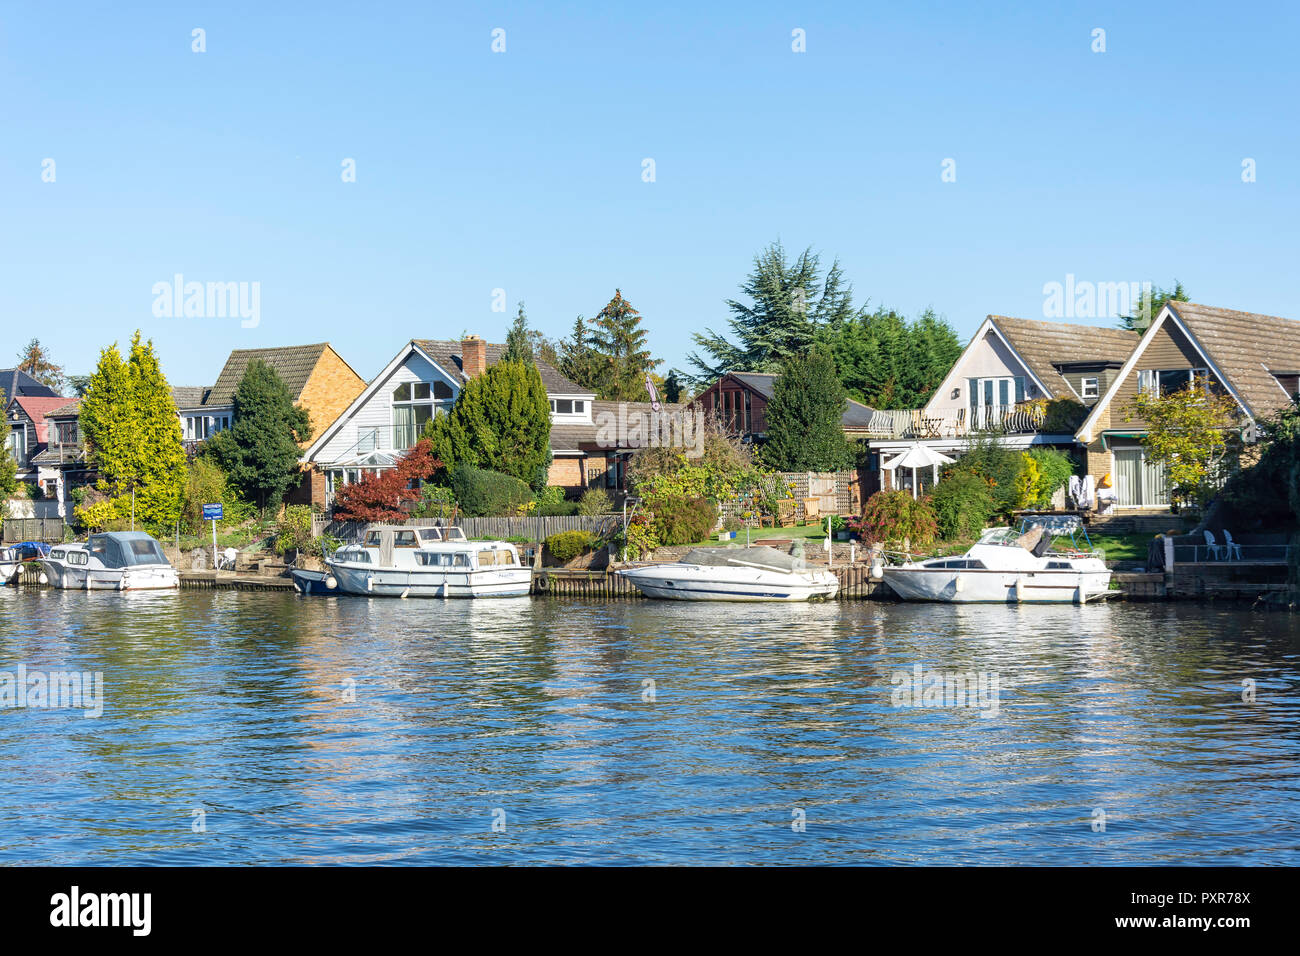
{"type": "Point", "coordinates": [332, 387]}
{"type": "Point", "coordinates": [566, 472]}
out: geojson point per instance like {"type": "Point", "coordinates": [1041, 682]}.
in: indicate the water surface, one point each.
{"type": "Point", "coordinates": [351, 730]}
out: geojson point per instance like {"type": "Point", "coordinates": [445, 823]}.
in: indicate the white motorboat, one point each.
{"type": "Point", "coordinates": [113, 561]}
{"type": "Point", "coordinates": [1026, 566]}
{"type": "Point", "coordinates": [400, 561]}
{"type": "Point", "coordinates": [10, 561]}
{"type": "Point", "coordinates": [734, 574]}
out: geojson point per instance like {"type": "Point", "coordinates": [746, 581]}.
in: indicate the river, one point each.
{"type": "Point", "coordinates": [269, 728]}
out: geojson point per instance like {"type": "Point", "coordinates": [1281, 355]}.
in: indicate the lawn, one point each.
{"type": "Point", "coordinates": [1123, 547]}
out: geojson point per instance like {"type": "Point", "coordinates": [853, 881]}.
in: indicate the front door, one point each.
{"type": "Point", "coordinates": [1139, 483]}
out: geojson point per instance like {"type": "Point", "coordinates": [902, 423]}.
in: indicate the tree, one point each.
{"type": "Point", "coordinates": [387, 494]}
{"type": "Point", "coordinates": [35, 361]}
{"type": "Point", "coordinates": [133, 435]}
{"type": "Point", "coordinates": [622, 359]}
{"type": "Point", "coordinates": [259, 452]}
{"type": "Point", "coordinates": [887, 362]}
{"type": "Point", "coordinates": [578, 359]}
{"type": "Point", "coordinates": [501, 422]}
{"type": "Point", "coordinates": [672, 388]}
{"type": "Point", "coordinates": [805, 431]}
{"type": "Point", "coordinates": [788, 302]}
{"type": "Point", "coordinates": [1188, 431]}
{"type": "Point", "coordinates": [519, 347]}
{"type": "Point", "coordinates": [79, 384]}
{"type": "Point", "coordinates": [1149, 305]}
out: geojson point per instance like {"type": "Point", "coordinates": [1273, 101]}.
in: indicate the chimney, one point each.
{"type": "Point", "coordinates": [473, 356]}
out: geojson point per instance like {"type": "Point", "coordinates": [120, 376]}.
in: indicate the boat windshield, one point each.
{"type": "Point", "coordinates": [763, 557]}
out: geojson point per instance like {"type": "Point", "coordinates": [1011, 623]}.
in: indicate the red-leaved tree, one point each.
{"type": "Point", "coordinates": [382, 496]}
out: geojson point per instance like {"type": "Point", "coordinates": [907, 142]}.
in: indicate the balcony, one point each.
{"type": "Point", "coordinates": [913, 423]}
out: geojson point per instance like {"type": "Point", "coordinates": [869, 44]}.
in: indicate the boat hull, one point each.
{"type": "Point", "coordinates": [985, 586]}
{"type": "Point", "coordinates": [144, 578]}
{"type": "Point", "coordinates": [433, 583]}
{"type": "Point", "coordinates": [677, 582]}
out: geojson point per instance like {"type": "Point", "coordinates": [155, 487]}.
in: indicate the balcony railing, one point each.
{"type": "Point", "coordinates": [914, 423]}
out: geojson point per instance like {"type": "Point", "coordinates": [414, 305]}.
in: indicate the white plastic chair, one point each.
{"type": "Point", "coordinates": [1231, 547]}
{"type": "Point", "coordinates": [1215, 549]}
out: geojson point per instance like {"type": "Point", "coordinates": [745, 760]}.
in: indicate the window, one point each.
{"type": "Point", "coordinates": [568, 406]}
{"type": "Point", "coordinates": [460, 560]}
{"type": "Point", "coordinates": [1163, 381]}
{"type": "Point", "coordinates": [373, 538]}
{"type": "Point", "coordinates": [66, 433]}
{"type": "Point", "coordinates": [16, 443]}
{"type": "Point", "coordinates": [404, 539]}
{"type": "Point", "coordinates": [415, 403]}
{"type": "Point", "coordinates": [367, 439]}
{"type": "Point", "coordinates": [1088, 388]}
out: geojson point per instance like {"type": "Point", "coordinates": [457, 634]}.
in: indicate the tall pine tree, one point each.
{"type": "Point", "coordinates": [620, 344]}
{"type": "Point", "coordinates": [788, 302]}
{"type": "Point", "coordinates": [519, 345]}
{"type": "Point", "coordinates": [805, 430]}
{"type": "Point", "coordinates": [259, 452]}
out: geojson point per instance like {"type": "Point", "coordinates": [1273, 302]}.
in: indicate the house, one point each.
{"type": "Point", "coordinates": [199, 421]}
{"type": "Point", "coordinates": [423, 380]}
{"type": "Point", "coordinates": [1001, 381]}
{"type": "Point", "coordinates": [739, 399]}
{"type": "Point", "coordinates": [28, 431]}
{"type": "Point", "coordinates": [64, 454]}
{"type": "Point", "coordinates": [1253, 358]}
{"type": "Point", "coordinates": [15, 383]}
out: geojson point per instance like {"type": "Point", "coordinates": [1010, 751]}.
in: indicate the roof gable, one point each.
{"type": "Point", "coordinates": [446, 354]}
{"type": "Point", "coordinates": [1041, 346]}
{"type": "Point", "coordinates": [293, 363]}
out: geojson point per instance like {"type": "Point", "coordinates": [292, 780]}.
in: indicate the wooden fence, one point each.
{"type": "Point", "coordinates": [506, 529]}
{"type": "Point", "coordinates": [32, 529]}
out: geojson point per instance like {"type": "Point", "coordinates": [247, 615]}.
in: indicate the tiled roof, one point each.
{"type": "Point", "coordinates": [1041, 344]}
{"type": "Point", "coordinates": [66, 410]}
{"type": "Point", "coordinates": [190, 396]}
{"type": "Point", "coordinates": [448, 355]}
{"type": "Point", "coordinates": [294, 363]}
{"type": "Point", "coordinates": [36, 408]}
{"type": "Point", "coordinates": [1246, 346]}
{"type": "Point", "coordinates": [574, 437]}
{"type": "Point", "coordinates": [16, 383]}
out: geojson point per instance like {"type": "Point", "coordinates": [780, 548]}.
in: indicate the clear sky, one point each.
{"type": "Point", "coordinates": [522, 170]}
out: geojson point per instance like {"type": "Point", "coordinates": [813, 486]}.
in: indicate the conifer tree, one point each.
{"type": "Point", "coordinates": [519, 346]}
{"type": "Point", "coordinates": [259, 452]}
{"type": "Point", "coordinates": [620, 342]}
{"type": "Point", "coordinates": [805, 431]}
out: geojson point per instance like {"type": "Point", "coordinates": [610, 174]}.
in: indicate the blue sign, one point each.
{"type": "Point", "coordinates": [212, 512]}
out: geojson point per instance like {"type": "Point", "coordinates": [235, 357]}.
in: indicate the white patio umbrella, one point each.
{"type": "Point", "coordinates": [919, 456]}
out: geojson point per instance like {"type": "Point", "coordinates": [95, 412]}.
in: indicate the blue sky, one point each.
{"type": "Point", "coordinates": [523, 170]}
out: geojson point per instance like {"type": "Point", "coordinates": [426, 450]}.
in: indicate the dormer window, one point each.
{"type": "Point", "coordinates": [1088, 388]}
{"type": "Point", "coordinates": [568, 406]}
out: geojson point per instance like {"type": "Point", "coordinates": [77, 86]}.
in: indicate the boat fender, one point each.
{"type": "Point", "coordinates": [44, 579]}
{"type": "Point", "coordinates": [959, 584]}
{"type": "Point", "coordinates": [877, 569]}
{"type": "Point", "coordinates": [330, 582]}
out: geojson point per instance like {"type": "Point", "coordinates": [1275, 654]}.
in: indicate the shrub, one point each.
{"type": "Point", "coordinates": [293, 530]}
{"type": "Point", "coordinates": [1063, 416]}
{"type": "Point", "coordinates": [896, 517]}
{"type": "Point", "coordinates": [684, 520]}
{"type": "Point", "coordinates": [963, 504]}
{"type": "Point", "coordinates": [483, 492]}
{"type": "Point", "coordinates": [595, 501]}
{"type": "Point", "coordinates": [999, 466]}
{"type": "Point", "coordinates": [1054, 469]}
{"type": "Point", "coordinates": [567, 545]}
{"type": "Point", "coordinates": [551, 501]}
{"type": "Point", "coordinates": [641, 538]}
{"type": "Point", "coordinates": [436, 501]}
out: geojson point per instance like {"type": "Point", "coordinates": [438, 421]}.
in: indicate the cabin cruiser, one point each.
{"type": "Point", "coordinates": [403, 561]}
{"type": "Point", "coordinates": [113, 561]}
{"type": "Point", "coordinates": [734, 574]}
{"type": "Point", "coordinates": [1030, 565]}
{"type": "Point", "coordinates": [10, 562]}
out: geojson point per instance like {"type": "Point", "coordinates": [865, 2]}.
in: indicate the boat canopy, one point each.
{"type": "Point", "coordinates": [761, 556]}
{"type": "Point", "coordinates": [125, 549]}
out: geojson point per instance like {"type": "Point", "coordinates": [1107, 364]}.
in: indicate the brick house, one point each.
{"type": "Point", "coordinates": [740, 401]}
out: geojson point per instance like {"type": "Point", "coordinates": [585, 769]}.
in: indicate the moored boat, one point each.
{"type": "Point", "coordinates": [1009, 566]}
{"type": "Point", "coordinates": [112, 561]}
{"type": "Point", "coordinates": [733, 574]}
{"type": "Point", "coordinates": [401, 561]}
{"type": "Point", "coordinates": [10, 562]}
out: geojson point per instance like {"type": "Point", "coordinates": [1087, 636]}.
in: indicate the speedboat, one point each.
{"type": "Point", "coordinates": [113, 561]}
{"type": "Point", "coordinates": [402, 561]}
{"type": "Point", "coordinates": [1028, 565]}
{"type": "Point", "coordinates": [733, 574]}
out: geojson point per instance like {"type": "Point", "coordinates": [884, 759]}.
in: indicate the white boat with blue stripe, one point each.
{"type": "Point", "coordinates": [733, 574]}
{"type": "Point", "coordinates": [435, 562]}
